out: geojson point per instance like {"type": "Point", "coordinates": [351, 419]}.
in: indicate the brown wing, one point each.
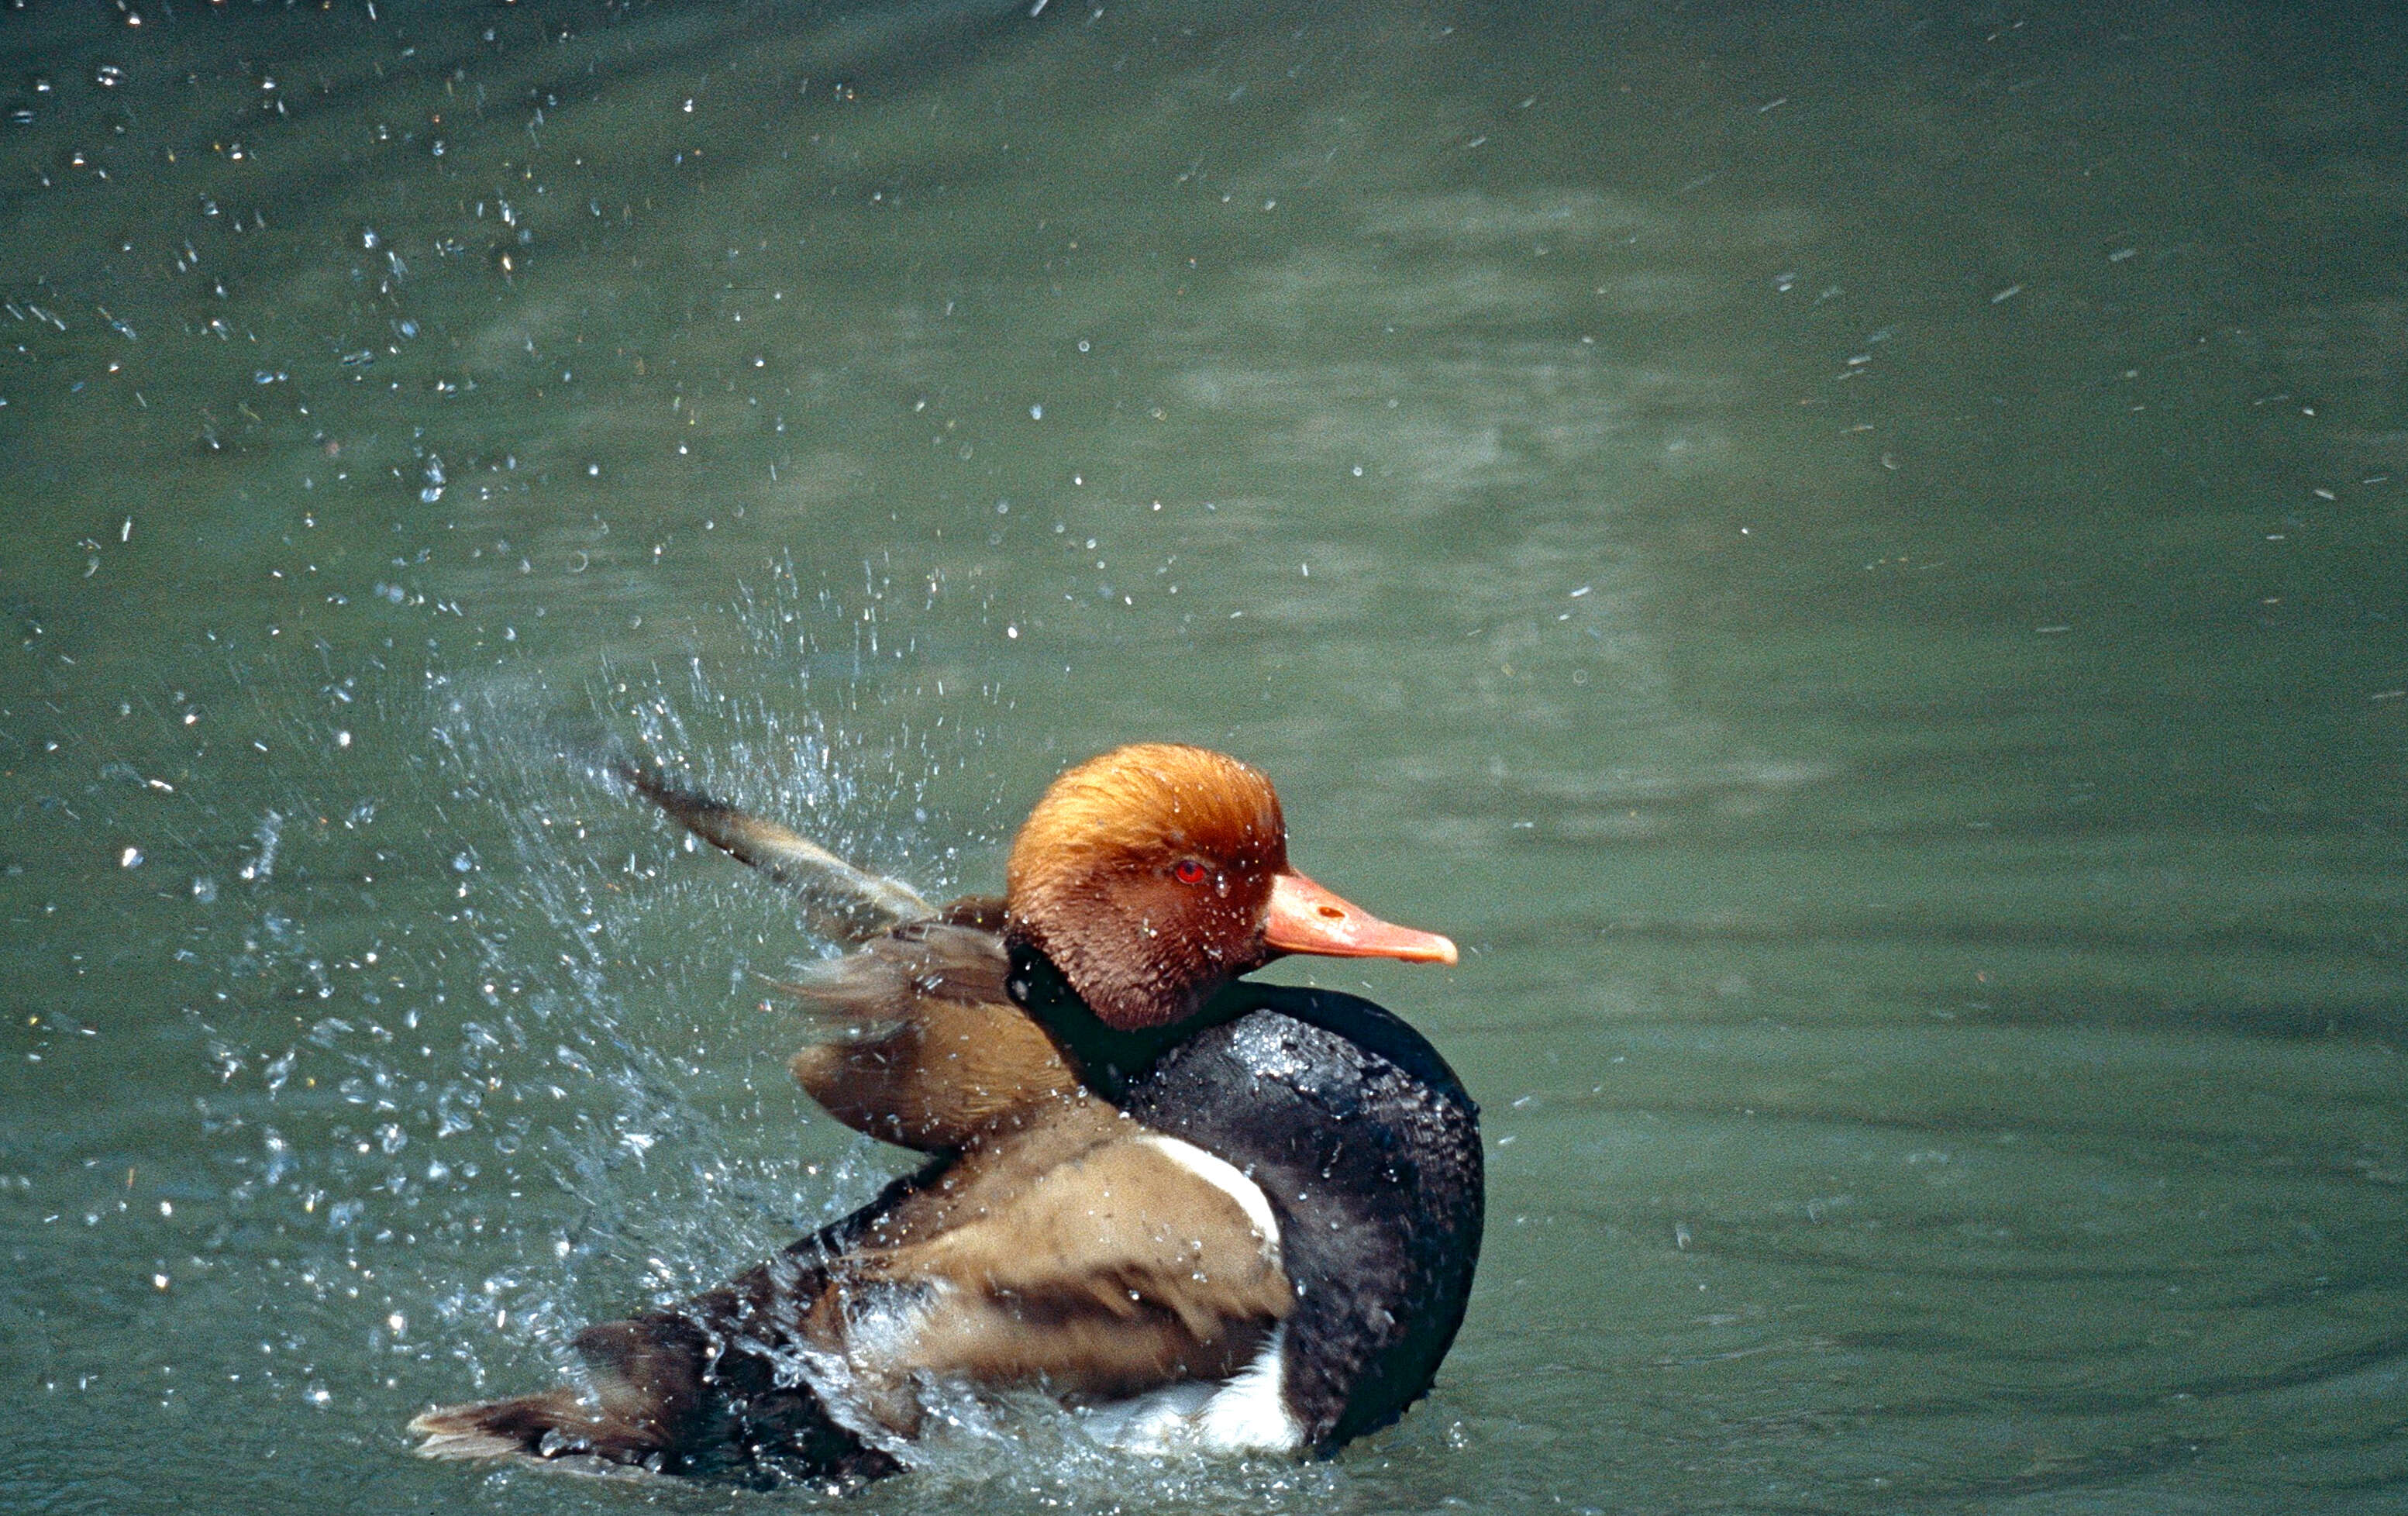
{"type": "Point", "coordinates": [924, 1049]}
{"type": "Point", "coordinates": [1123, 1269]}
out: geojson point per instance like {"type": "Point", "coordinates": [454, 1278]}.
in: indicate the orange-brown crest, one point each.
{"type": "Point", "coordinates": [1143, 875]}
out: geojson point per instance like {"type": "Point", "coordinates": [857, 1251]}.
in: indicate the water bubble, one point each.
{"type": "Point", "coordinates": [108, 75]}
{"type": "Point", "coordinates": [280, 1160]}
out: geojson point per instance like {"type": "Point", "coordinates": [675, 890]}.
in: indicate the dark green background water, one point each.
{"type": "Point", "coordinates": [1853, 555]}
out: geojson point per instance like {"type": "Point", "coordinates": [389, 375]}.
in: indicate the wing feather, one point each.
{"type": "Point", "coordinates": [1120, 1271]}
{"type": "Point", "coordinates": [840, 900]}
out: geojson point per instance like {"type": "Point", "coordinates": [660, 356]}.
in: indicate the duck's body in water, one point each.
{"type": "Point", "coordinates": [1221, 1215]}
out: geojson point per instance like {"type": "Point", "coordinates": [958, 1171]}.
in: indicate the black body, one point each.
{"type": "Point", "coordinates": [1369, 1151]}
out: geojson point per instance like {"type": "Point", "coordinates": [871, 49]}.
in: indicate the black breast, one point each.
{"type": "Point", "coordinates": [1368, 1149]}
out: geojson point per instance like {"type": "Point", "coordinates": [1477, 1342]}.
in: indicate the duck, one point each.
{"type": "Point", "coordinates": [1203, 1213]}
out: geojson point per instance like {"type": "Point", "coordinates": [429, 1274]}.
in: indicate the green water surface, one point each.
{"type": "Point", "coordinates": [1852, 555]}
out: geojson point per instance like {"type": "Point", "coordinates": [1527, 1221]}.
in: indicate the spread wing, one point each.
{"type": "Point", "coordinates": [924, 1048]}
{"type": "Point", "coordinates": [920, 1044]}
{"type": "Point", "coordinates": [838, 899]}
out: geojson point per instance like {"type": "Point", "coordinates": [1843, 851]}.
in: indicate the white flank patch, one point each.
{"type": "Point", "coordinates": [1250, 1413]}
{"type": "Point", "coordinates": [1225, 1176]}
{"type": "Point", "coordinates": [1246, 1414]}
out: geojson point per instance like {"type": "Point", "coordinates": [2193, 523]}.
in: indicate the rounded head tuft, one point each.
{"type": "Point", "coordinates": [1144, 873]}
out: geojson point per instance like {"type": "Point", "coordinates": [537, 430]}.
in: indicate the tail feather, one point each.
{"type": "Point", "coordinates": [668, 1395]}
{"type": "Point", "coordinates": [839, 899]}
{"type": "Point", "coordinates": [536, 1425]}
{"type": "Point", "coordinates": [645, 1395]}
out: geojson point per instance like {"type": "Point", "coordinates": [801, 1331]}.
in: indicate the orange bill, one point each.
{"type": "Point", "coordinates": [1306, 918]}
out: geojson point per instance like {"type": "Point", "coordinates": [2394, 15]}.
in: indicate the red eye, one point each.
{"type": "Point", "coordinates": [1188, 871]}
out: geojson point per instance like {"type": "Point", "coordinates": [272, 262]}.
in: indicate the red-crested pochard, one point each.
{"type": "Point", "coordinates": [1209, 1213]}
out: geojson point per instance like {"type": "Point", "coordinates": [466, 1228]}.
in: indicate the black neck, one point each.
{"type": "Point", "coordinates": [1108, 1061]}
{"type": "Point", "coordinates": [1105, 1058]}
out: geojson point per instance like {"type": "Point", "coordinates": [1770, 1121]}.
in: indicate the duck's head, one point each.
{"type": "Point", "coordinates": [1156, 873]}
